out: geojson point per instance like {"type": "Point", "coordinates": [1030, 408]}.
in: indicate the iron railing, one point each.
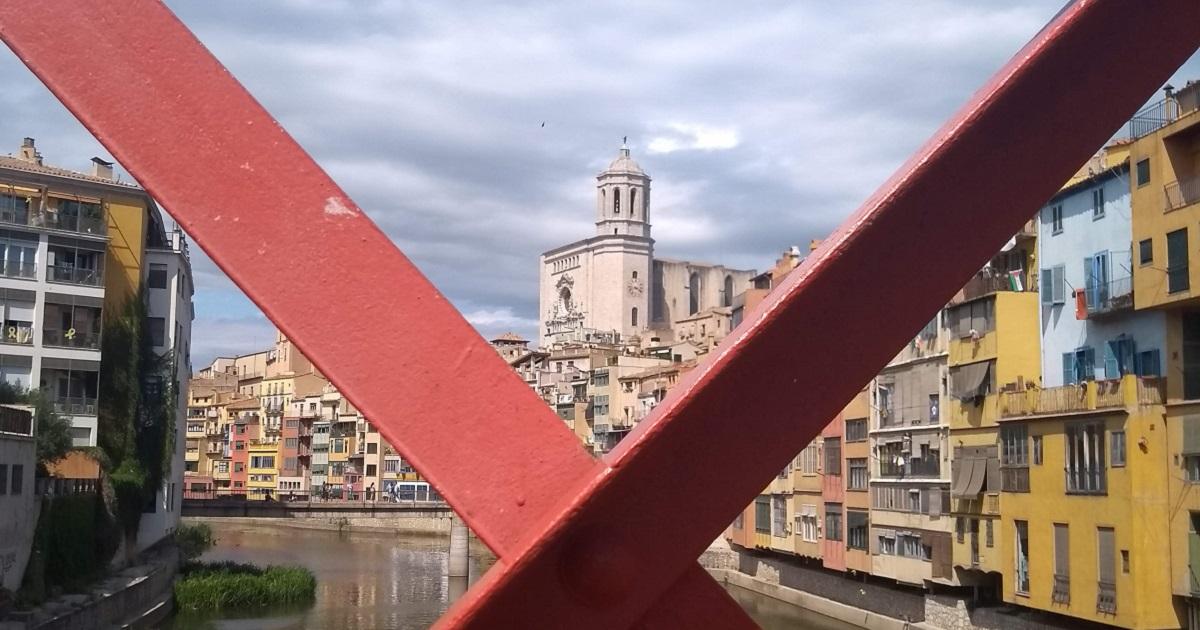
{"type": "Point", "coordinates": [1062, 589]}
{"type": "Point", "coordinates": [1152, 118]}
{"type": "Point", "coordinates": [1109, 297]}
{"type": "Point", "coordinates": [75, 406]}
{"type": "Point", "coordinates": [75, 275]}
{"type": "Point", "coordinates": [1106, 597]}
{"type": "Point", "coordinates": [59, 486]}
{"type": "Point", "coordinates": [71, 339]}
{"type": "Point", "coordinates": [986, 283]}
{"type": "Point", "coordinates": [16, 421]}
{"type": "Point", "coordinates": [1086, 480]}
{"type": "Point", "coordinates": [1183, 192]}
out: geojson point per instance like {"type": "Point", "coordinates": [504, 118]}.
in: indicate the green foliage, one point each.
{"type": "Point", "coordinates": [65, 550]}
{"type": "Point", "coordinates": [231, 586]}
{"type": "Point", "coordinates": [137, 410]}
{"type": "Point", "coordinates": [193, 540]}
{"type": "Point", "coordinates": [53, 432]}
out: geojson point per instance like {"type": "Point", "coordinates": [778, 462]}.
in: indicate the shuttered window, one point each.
{"type": "Point", "coordinates": [1106, 591]}
{"type": "Point", "coordinates": [1062, 564]}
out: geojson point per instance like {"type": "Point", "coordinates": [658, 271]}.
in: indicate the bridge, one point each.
{"type": "Point", "coordinates": [213, 505]}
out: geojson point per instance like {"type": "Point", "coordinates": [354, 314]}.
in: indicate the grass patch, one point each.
{"type": "Point", "coordinates": [222, 586]}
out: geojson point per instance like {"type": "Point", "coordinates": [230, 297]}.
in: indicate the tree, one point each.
{"type": "Point", "coordinates": [52, 433]}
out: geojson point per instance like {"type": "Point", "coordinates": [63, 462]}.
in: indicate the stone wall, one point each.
{"type": "Point", "coordinates": [891, 600]}
{"type": "Point", "coordinates": [113, 602]}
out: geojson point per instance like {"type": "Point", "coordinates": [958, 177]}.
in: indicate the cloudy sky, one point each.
{"type": "Point", "coordinates": [763, 126]}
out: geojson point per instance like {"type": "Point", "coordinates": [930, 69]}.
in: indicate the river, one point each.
{"type": "Point", "coordinates": [368, 581]}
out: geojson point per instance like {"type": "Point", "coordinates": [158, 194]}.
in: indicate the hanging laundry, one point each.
{"type": "Point", "coordinates": [1081, 307]}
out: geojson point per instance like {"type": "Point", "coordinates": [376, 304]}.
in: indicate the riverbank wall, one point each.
{"type": "Point", "coordinates": [868, 603]}
{"type": "Point", "coordinates": [421, 522]}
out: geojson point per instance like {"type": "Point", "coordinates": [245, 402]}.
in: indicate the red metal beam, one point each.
{"type": "Point", "coordinates": [584, 543]}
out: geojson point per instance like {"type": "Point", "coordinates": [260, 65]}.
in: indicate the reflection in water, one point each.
{"type": "Point", "coordinates": [771, 614]}
{"type": "Point", "coordinates": [368, 581]}
{"type": "Point", "coordinates": [363, 580]}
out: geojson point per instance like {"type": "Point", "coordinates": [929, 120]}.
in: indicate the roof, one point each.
{"type": "Point", "coordinates": [249, 403]}
{"type": "Point", "coordinates": [624, 164]}
{"type": "Point", "coordinates": [17, 164]}
{"type": "Point", "coordinates": [657, 370]}
{"type": "Point", "coordinates": [510, 336]}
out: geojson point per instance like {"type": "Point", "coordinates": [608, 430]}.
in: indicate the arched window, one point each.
{"type": "Point", "coordinates": [635, 275]}
{"type": "Point", "coordinates": [693, 293]}
{"type": "Point", "coordinates": [727, 299]}
{"type": "Point", "coordinates": [633, 317]}
{"type": "Point", "coordinates": [632, 201]}
{"type": "Point", "coordinates": [603, 198]}
{"type": "Point", "coordinates": [616, 201]}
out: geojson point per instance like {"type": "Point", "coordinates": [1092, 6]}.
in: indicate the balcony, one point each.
{"type": "Point", "coordinates": [1086, 480]}
{"type": "Point", "coordinates": [75, 406]}
{"type": "Point", "coordinates": [92, 221]}
{"type": "Point", "coordinates": [1109, 297]}
{"type": "Point", "coordinates": [1062, 590]}
{"type": "Point", "coordinates": [17, 333]}
{"type": "Point", "coordinates": [66, 274]}
{"type": "Point", "coordinates": [71, 338]}
{"type": "Point", "coordinates": [1106, 597]}
{"type": "Point", "coordinates": [1087, 396]}
{"type": "Point", "coordinates": [1182, 193]}
{"type": "Point", "coordinates": [913, 467]}
{"type": "Point", "coordinates": [23, 271]}
{"type": "Point", "coordinates": [988, 282]}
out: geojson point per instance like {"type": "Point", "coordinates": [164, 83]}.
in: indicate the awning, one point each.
{"type": "Point", "coordinates": [886, 533]}
{"type": "Point", "coordinates": [970, 483]}
{"type": "Point", "coordinates": [966, 382]}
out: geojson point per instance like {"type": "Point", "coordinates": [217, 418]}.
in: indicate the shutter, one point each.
{"type": "Point", "coordinates": [943, 562]}
{"type": "Point", "coordinates": [1047, 280]}
{"type": "Point", "coordinates": [1062, 553]}
{"type": "Point", "coordinates": [1111, 367]}
{"type": "Point", "coordinates": [1194, 552]}
{"type": "Point", "coordinates": [934, 499]}
{"type": "Point", "coordinates": [20, 311]}
{"type": "Point", "coordinates": [1089, 364]}
{"type": "Point", "coordinates": [1106, 542]}
{"type": "Point", "coordinates": [1151, 365]}
{"type": "Point", "coordinates": [1068, 365]}
{"type": "Point", "coordinates": [1060, 285]}
{"type": "Point", "coordinates": [1089, 280]}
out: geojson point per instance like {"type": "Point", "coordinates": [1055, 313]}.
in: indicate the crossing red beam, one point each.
{"type": "Point", "coordinates": [583, 543]}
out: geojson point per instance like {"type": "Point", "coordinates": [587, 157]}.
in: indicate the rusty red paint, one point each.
{"type": "Point", "coordinates": [585, 543]}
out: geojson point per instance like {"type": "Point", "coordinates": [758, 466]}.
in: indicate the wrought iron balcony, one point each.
{"type": "Point", "coordinates": [1106, 597]}
{"type": "Point", "coordinates": [1179, 194]}
{"type": "Point", "coordinates": [1062, 589]}
{"type": "Point", "coordinates": [1110, 297]}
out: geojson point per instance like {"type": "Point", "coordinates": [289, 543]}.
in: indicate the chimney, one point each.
{"type": "Point", "coordinates": [102, 169]}
{"type": "Point", "coordinates": [29, 152]}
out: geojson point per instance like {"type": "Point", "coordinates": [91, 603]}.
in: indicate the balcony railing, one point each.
{"type": "Point", "coordinates": [1110, 297]}
{"type": "Point", "coordinates": [16, 421]}
{"type": "Point", "coordinates": [71, 339]}
{"type": "Point", "coordinates": [13, 269]}
{"type": "Point", "coordinates": [911, 468]}
{"type": "Point", "coordinates": [74, 275]}
{"type": "Point", "coordinates": [1184, 192]}
{"type": "Point", "coordinates": [1087, 396]}
{"type": "Point", "coordinates": [1086, 480]}
{"type": "Point", "coordinates": [1062, 589]}
{"type": "Point", "coordinates": [985, 283]}
{"type": "Point", "coordinates": [75, 406]}
{"type": "Point", "coordinates": [20, 334]}
{"type": "Point", "coordinates": [54, 221]}
{"type": "Point", "coordinates": [1106, 597]}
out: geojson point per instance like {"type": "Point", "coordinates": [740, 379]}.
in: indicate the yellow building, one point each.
{"type": "Point", "coordinates": [1165, 182]}
{"type": "Point", "coordinates": [262, 469]}
{"type": "Point", "coordinates": [993, 325]}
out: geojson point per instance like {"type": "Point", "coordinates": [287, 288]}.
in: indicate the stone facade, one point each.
{"type": "Point", "coordinates": [609, 288]}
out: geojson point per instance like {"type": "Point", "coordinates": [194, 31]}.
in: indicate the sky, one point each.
{"type": "Point", "coordinates": [762, 127]}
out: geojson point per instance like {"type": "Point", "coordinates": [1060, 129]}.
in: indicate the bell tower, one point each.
{"type": "Point", "coordinates": [623, 198]}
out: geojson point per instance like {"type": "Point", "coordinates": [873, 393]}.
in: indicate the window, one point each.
{"type": "Point", "coordinates": [372, 448]}
{"type": "Point", "coordinates": [1056, 218]}
{"type": "Point", "coordinates": [1098, 203]}
{"type": "Point", "coordinates": [600, 404]}
{"type": "Point", "coordinates": [887, 543]}
{"type": "Point", "coordinates": [223, 467]}
{"type": "Point", "coordinates": [616, 201]}
{"type": "Point", "coordinates": [833, 456]}
{"type": "Point", "coordinates": [739, 521]}
{"type": "Point", "coordinates": [856, 430]}
{"type": "Point", "coordinates": [391, 465]}
{"type": "Point", "coordinates": [762, 515]}
{"type": "Point", "coordinates": [976, 315]}
{"type": "Point", "coordinates": [1116, 443]}
{"type": "Point", "coordinates": [1062, 564]}
{"type": "Point", "coordinates": [1143, 172]}
{"type": "Point", "coordinates": [371, 470]}
{"type": "Point", "coordinates": [291, 443]}
{"type": "Point", "coordinates": [1014, 458]}
{"type": "Point", "coordinates": [1085, 458]}
{"type": "Point", "coordinates": [1037, 450]}
{"type": "Point", "coordinates": [239, 445]}
{"type": "Point", "coordinates": [633, 317]}
{"type": "Point", "coordinates": [779, 516]}
{"type": "Point", "coordinates": [158, 330]}
{"type": "Point", "coordinates": [1022, 557]}
{"type": "Point", "coordinates": [239, 467]}
{"type": "Point", "coordinates": [727, 294]}
{"type": "Point", "coordinates": [989, 534]}
{"type": "Point", "coordinates": [3, 478]}
{"type": "Point", "coordinates": [960, 529]}
{"type": "Point", "coordinates": [156, 278]}
{"type": "Point", "coordinates": [1177, 261]}
{"type": "Point", "coordinates": [858, 474]}
{"type": "Point", "coordinates": [1106, 573]}
{"type": "Point", "coordinates": [632, 201]}
{"type": "Point", "coordinates": [909, 545]}
{"type": "Point", "coordinates": [339, 445]}
{"type": "Point", "coordinates": [934, 408]}
{"type": "Point", "coordinates": [1119, 358]}
{"type": "Point", "coordinates": [1148, 363]}
{"type": "Point", "coordinates": [856, 529]}
{"type": "Point", "coordinates": [1079, 366]}
{"type": "Point", "coordinates": [809, 459]}
{"type": "Point", "coordinates": [833, 521]}
{"type": "Point", "coordinates": [289, 463]}
{"type": "Point", "coordinates": [262, 461]}
{"type": "Point", "coordinates": [808, 523]}
{"type": "Point", "coordinates": [1146, 251]}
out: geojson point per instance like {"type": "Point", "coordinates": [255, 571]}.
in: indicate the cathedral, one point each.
{"type": "Point", "coordinates": [609, 288]}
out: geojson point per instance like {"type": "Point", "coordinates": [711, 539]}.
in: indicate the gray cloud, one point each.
{"type": "Point", "coordinates": [770, 122]}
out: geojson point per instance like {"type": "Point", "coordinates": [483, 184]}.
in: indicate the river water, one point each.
{"type": "Point", "coordinates": [368, 581]}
